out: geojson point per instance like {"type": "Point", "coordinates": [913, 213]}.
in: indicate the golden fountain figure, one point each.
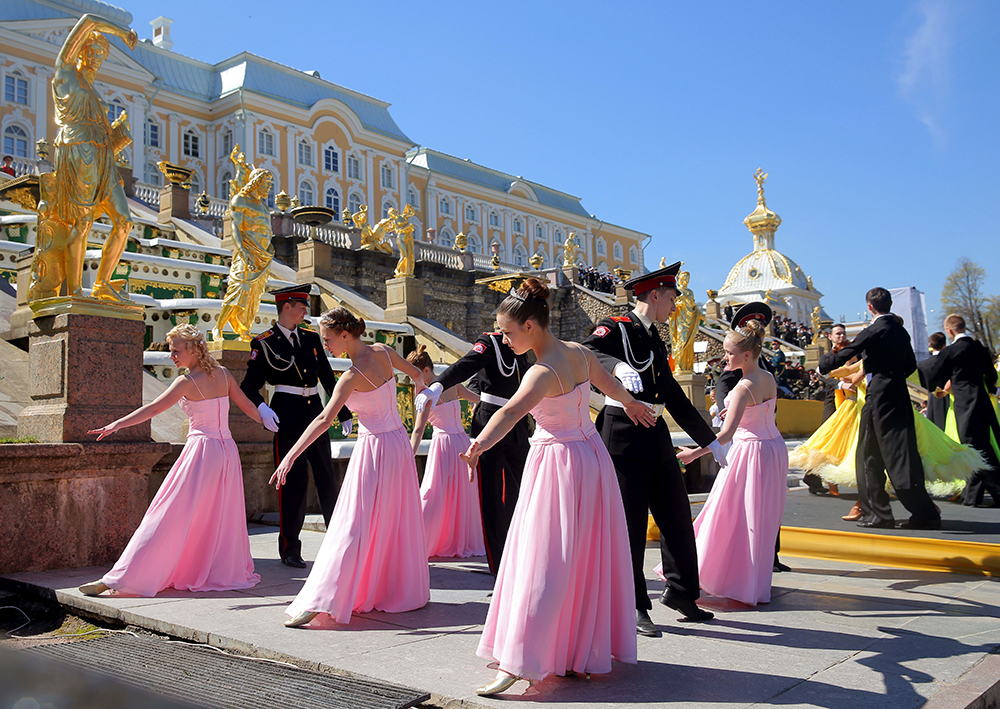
{"type": "Point", "coordinates": [816, 323]}
{"type": "Point", "coordinates": [400, 223]}
{"type": "Point", "coordinates": [570, 249]}
{"type": "Point", "coordinates": [252, 248]}
{"type": "Point", "coordinates": [86, 183]}
{"type": "Point", "coordinates": [684, 324]}
{"type": "Point", "coordinates": [371, 239]}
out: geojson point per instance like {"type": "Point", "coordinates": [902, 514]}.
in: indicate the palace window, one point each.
{"type": "Point", "coordinates": [227, 142]}
{"type": "Point", "coordinates": [152, 136]}
{"type": "Point", "coordinates": [265, 142]}
{"type": "Point", "coordinates": [494, 219]}
{"type": "Point", "coordinates": [333, 202]}
{"type": "Point", "coordinates": [153, 175]}
{"type": "Point", "coordinates": [15, 142]}
{"type": "Point", "coordinates": [411, 198]}
{"type": "Point", "coordinates": [445, 206]}
{"type": "Point", "coordinates": [602, 247]}
{"type": "Point", "coordinates": [306, 193]}
{"type": "Point", "coordinates": [305, 154]}
{"type": "Point", "coordinates": [470, 213]}
{"type": "Point", "coordinates": [539, 231]}
{"type": "Point", "coordinates": [386, 206]}
{"type": "Point", "coordinates": [518, 225]}
{"type": "Point", "coordinates": [16, 88]}
{"type": "Point", "coordinates": [386, 175]}
{"type": "Point", "coordinates": [618, 251]}
{"type": "Point", "coordinates": [633, 254]}
{"type": "Point", "coordinates": [195, 183]}
{"type": "Point", "coordinates": [331, 161]}
{"type": "Point", "coordinates": [115, 109]}
{"type": "Point", "coordinates": [475, 245]}
{"type": "Point", "coordinates": [224, 185]}
{"type": "Point", "coordinates": [520, 256]}
{"type": "Point", "coordinates": [353, 167]}
{"type": "Point", "coordinates": [446, 238]}
{"type": "Point", "coordinates": [559, 238]}
{"type": "Point", "coordinates": [191, 145]}
{"type": "Point", "coordinates": [354, 203]}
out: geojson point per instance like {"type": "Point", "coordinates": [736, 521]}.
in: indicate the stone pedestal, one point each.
{"type": "Point", "coordinates": [815, 351]}
{"type": "Point", "coordinates": [621, 295]}
{"type": "Point", "coordinates": [85, 372]}
{"type": "Point", "coordinates": [234, 355]}
{"type": "Point", "coordinates": [693, 385]}
{"type": "Point", "coordinates": [712, 310]}
{"type": "Point", "coordinates": [174, 202]}
{"type": "Point", "coordinates": [569, 275]}
{"type": "Point", "coordinates": [404, 297]}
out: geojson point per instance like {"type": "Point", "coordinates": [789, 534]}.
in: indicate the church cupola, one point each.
{"type": "Point", "coordinates": [762, 222]}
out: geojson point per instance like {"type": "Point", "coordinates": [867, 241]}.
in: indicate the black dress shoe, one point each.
{"type": "Point", "coordinates": [294, 561]}
{"type": "Point", "coordinates": [644, 625]}
{"type": "Point", "coordinates": [815, 483]}
{"type": "Point", "coordinates": [927, 524]}
{"type": "Point", "coordinates": [778, 566]}
{"type": "Point", "coordinates": [878, 524]}
{"type": "Point", "coordinates": [685, 606]}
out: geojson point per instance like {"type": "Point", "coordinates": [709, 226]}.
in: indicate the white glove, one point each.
{"type": "Point", "coordinates": [629, 378]}
{"type": "Point", "coordinates": [430, 395]}
{"type": "Point", "coordinates": [347, 426]}
{"type": "Point", "coordinates": [270, 418]}
{"type": "Point", "coordinates": [720, 455]}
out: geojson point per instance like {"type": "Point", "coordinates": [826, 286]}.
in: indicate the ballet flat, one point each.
{"type": "Point", "coordinates": [499, 685]}
{"type": "Point", "coordinates": [93, 589]}
{"type": "Point", "coordinates": [301, 619]}
{"type": "Point", "coordinates": [854, 515]}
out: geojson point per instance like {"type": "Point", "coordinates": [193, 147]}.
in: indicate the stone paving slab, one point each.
{"type": "Point", "coordinates": [835, 634]}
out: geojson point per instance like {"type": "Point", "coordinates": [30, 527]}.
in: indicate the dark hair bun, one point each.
{"type": "Point", "coordinates": [534, 288]}
{"type": "Point", "coordinates": [340, 319]}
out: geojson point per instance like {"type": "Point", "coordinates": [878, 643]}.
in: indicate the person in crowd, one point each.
{"type": "Point", "coordinates": [738, 526]}
{"type": "Point", "coordinates": [936, 408]}
{"type": "Point", "coordinates": [563, 596]}
{"type": "Point", "coordinates": [193, 537]}
{"type": "Point", "coordinates": [374, 554]}
{"type": "Point", "coordinates": [453, 521]}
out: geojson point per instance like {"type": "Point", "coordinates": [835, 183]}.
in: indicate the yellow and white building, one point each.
{"type": "Point", "coordinates": [325, 143]}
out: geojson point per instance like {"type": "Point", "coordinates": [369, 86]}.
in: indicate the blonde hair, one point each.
{"type": "Point", "coordinates": [195, 341]}
{"type": "Point", "coordinates": [748, 337]}
{"type": "Point", "coordinates": [955, 322]}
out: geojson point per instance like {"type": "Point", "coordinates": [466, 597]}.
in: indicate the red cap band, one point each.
{"type": "Point", "coordinates": [662, 281]}
{"type": "Point", "coordinates": [298, 295]}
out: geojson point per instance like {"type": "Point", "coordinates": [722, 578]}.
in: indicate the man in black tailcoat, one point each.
{"type": "Point", "coordinates": [498, 373]}
{"type": "Point", "coordinates": [648, 472]}
{"type": "Point", "coordinates": [937, 406]}
{"type": "Point", "coordinates": [969, 366]}
{"type": "Point", "coordinates": [291, 357]}
{"type": "Point", "coordinates": [887, 437]}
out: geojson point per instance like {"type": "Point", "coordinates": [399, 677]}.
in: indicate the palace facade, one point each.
{"type": "Point", "coordinates": [324, 143]}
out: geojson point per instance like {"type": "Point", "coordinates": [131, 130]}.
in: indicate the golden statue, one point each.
{"type": "Point", "coordinates": [761, 177]}
{"type": "Point", "coordinates": [684, 324]}
{"type": "Point", "coordinates": [815, 323]}
{"type": "Point", "coordinates": [663, 262]}
{"type": "Point", "coordinates": [404, 240]}
{"type": "Point", "coordinates": [85, 184]}
{"type": "Point", "coordinates": [570, 249]}
{"type": "Point", "coordinates": [252, 248]}
{"type": "Point", "coordinates": [461, 241]}
{"type": "Point", "coordinates": [371, 239]}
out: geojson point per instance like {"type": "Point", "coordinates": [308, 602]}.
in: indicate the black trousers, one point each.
{"type": "Point", "coordinates": [982, 481]}
{"type": "Point", "coordinates": [499, 476]}
{"type": "Point", "coordinates": [887, 443]}
{"type": "Point", "coordinates": [295, 413]}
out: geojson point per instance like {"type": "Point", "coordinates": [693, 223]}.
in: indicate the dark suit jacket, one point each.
{"type": "Point", "coordinates": [968, 365]}
{"type": "Point", "coordinates": [609, 341]}
{"type": "Point", "coordinates": [937, 408]}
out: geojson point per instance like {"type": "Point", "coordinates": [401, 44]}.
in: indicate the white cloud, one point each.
{"type": "Point", "coordinates": [924, 78]}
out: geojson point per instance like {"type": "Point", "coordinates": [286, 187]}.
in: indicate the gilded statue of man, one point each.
{"type": "Point", "coordinates": [404, 240]}
{"type": "Point", "coordinates": [684, 323]}
{"type": "Point", "coordinates": [85, 183]}
{"type": "Point", "coordinates": [252, 255]}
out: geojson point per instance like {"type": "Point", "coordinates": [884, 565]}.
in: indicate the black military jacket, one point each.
{"type": "Point", "coordinates": [497, 369]}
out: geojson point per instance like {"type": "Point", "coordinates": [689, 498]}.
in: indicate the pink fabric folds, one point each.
{"type": "Point", "coordinates": [563, 598]}
{"type": "Point", "coordinates": [193, 537]}
{"type": "Point", "coordinates": [374, 555]}
{"type": "Point", "coordinates": [736, 531]}
{"type": "Point", "coordinates": [453, 519]}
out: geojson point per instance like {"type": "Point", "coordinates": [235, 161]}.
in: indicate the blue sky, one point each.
{"type": "Point", "coordinates": [876, 121]}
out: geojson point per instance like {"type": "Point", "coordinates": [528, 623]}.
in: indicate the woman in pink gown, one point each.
{"type": "Point", "coordinates": [453, 519]}
{"type": "Point", "coordinates": [193, 537]}
{"type": "Point", "coordinates": [736, 531]}
{"type": "Point", "coordinates": [563, 600]}
{"type": "Point", "coordinates": [373, 555]}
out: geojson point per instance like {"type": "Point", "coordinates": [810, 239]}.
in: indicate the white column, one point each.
{"type": "Point", "coordinates": [290, 160]}
{"type": "Point", "coordinates": [374, 210]}
{"type": "Point", "coordinates": [40, 102]}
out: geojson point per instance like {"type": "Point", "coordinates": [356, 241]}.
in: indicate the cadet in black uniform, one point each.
{"type": "Point", "coordinates": [650, 477]}
{"type": "Point", "coordinates": [497, 372]}
{"type": "Point", "coordinates": [295, 369]}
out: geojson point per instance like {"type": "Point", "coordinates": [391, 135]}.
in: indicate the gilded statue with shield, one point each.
{"type": "Point", "coordinates": [85, 184]}
{"type": "Point", "coordinates": [252, 248]}
{"type": "Point", "coordinates": [684, 324]}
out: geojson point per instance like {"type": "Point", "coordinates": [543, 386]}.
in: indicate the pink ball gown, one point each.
{"type": "Point", "coordinates": [193, 537]}
{"type": "Point", "coordinates": [736, 530]}
{"type": "Point", "coordinates": [563, 598]}
{"type": "Point", "coordinates": [452, 518]}
{"type": "Point", "coordinates": [374, 554]}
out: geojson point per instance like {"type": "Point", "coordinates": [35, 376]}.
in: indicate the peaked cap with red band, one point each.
{"type": "Point", "coordinates": [292, 293]}
{"type": "Point", "coordinates": [753, 311]}
{"type": "Point", "coordinates": [665, 277]}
